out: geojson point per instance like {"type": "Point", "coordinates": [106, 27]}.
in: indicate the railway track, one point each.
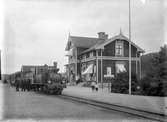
{"type": "Point", "coordinates": [139, 113]}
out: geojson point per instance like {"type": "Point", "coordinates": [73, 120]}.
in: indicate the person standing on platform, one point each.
{"type": "Point", "coordinates": [96, 86]}
{"type": "Point", "coordinates": [23, 85]}
{"type": "Point", "coordinates": [17, 84]}
{"type": "Point", "coordinates": [93, 86]}
{"type": "Point", "coordinates": [28, 84]}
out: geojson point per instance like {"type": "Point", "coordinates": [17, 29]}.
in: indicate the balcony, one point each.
{"type": "Point", "coordinates": [118, 58]}
{"type": "Point", "coordinates": [71, 61]}
{"type": "Point", "coordinates": [88, 59]}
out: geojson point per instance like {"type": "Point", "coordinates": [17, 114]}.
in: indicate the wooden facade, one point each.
{"type": "Point", "coordinates": [105, 55]}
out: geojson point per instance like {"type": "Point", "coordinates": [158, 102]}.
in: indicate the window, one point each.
{"type": "Point", "coordinates": [84, 57]}
{"type": "Point", "coordinates": [120, 67]}
{"type": "Point", "coordinates": [108, 71]}
{"type": "Point", "coordinates": [119, 48]}
{"type": "Point", "coordinates": [91, 54]}
{"type": "Point", "coordinates": [83, 67]}
{"type": "Point", "coordinates": [32, 69]}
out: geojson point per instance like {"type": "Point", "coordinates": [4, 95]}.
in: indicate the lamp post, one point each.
{"type": "Point", "coordinates": [130, 73]}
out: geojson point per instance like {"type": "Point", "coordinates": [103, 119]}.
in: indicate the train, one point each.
{"type": "Point", "coordinates": [46, 79]}
{"type": "Point", "coordinates": [50, 82]}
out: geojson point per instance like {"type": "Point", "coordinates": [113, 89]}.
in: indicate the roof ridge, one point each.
{"type": "Point", "coordinates": [126, 38]}
{"type": "Point", "coordinates": [84, 37]}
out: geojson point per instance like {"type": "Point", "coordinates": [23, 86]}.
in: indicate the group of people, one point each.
{"type": "Point", "coordinates": [23, 85]}
{"type": "Point", "coordinates": [94, 86]}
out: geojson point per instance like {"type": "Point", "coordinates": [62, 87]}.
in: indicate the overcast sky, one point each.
{"type": "Point", "coordinates": [36, 31]}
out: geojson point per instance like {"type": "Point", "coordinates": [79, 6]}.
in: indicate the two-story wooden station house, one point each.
{"type": "Point", "coordinates": [101, 57]}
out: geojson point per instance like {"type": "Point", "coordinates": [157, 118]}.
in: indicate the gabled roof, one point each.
{"type": "Point", "coordinates": [120, 36]}
{"type": "Point", "coordinates": [84, 42]}
{"type": "Point", "coordinates": [93, 47]}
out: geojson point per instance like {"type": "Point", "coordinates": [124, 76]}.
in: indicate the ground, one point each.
{"type": "Point", "coordinates": [31, 105]}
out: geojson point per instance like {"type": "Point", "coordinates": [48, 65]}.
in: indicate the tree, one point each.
{"type": "Point", "coordinates": [145, 63]}
{"type": "Point", "coordinates": [121, 83]}
{"type": "Point", "coordinates": [155, 81]}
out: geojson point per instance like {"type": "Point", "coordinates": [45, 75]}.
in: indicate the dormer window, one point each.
{"type": "Point", "coordinates": [91, 54]}
{"type": "Point", "coordinates": [119, 48]}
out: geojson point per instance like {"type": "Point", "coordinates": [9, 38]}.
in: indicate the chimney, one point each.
{"type": "Point", "coordinates": [106, 36]}
{"type": "Point", "coordinates": [55, 64]}
{"type": "Point", "coordinates": [102, 35]}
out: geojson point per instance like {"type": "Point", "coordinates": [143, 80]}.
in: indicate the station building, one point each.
{"type": "Point", "coordinates": [97, 58]}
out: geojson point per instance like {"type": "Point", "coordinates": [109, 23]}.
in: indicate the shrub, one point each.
{"type": "Point", "coordinates": [151, 87]}
{"type": "Point", "coordinates": [121, 83]}
{"type": "Point", "coordinates": [87, 84]}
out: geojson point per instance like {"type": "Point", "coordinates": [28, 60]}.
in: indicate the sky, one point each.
{"type": "Point", "coordinates": [35, 32]}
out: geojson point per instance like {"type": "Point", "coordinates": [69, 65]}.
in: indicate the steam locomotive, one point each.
{"type": "Point", "coordinates": [49, 82]}
{"type": "Point", "coordinates": [40, 78]}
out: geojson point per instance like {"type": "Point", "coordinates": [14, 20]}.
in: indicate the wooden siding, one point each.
{"type": "Point", "coordinates": [109, 50]}
{"type": "Point", "coordinates": [126, 49]}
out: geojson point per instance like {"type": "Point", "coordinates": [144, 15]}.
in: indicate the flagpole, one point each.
{"type": "Point", "coordinates": [130, 47]}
